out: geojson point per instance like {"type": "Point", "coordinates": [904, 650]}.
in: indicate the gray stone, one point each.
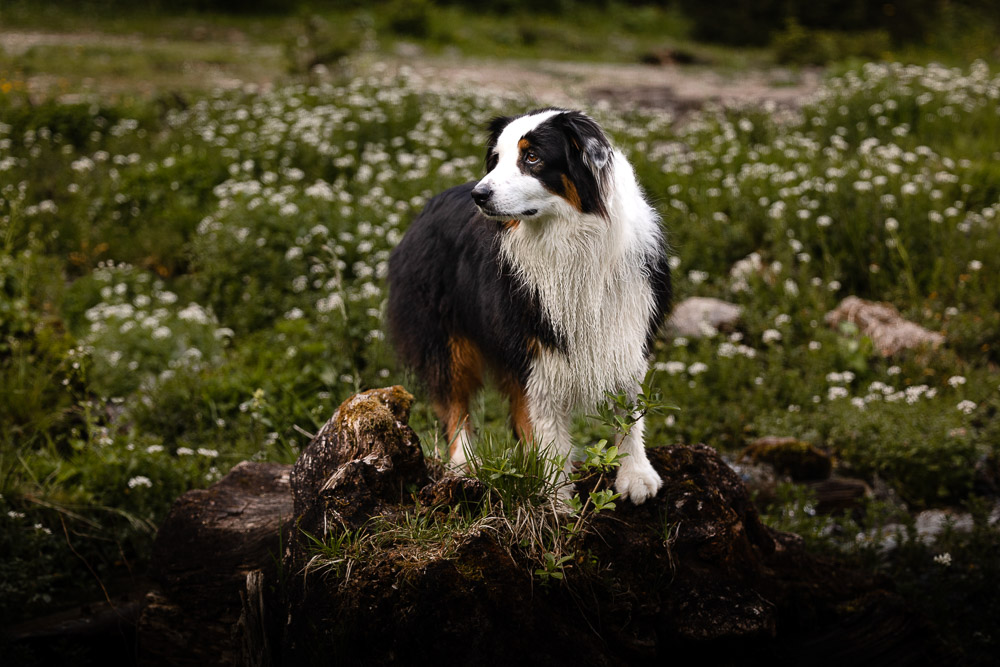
{"type": "Point", "coordinates": [698, 317]}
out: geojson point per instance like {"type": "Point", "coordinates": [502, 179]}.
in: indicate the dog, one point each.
{"type": "Point", "coordinates": [551, 273]}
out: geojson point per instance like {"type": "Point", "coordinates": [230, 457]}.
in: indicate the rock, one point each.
{"type": "Point", "coordinates": [697, 316]}
{"type": "Point", "coordinates": [881, 322]}
{"type": "Point", "coordinates": [798, 459]}
{"type": "Point", "coordinates": [839, 494]}
{"type": "Point", "coordinates": [929, 524]}
{"type": "Point", "coordinates": [210, 541]}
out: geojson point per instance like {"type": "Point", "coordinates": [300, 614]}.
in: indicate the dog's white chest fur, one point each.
{"type": "Point", "coordinates": [590, 278]}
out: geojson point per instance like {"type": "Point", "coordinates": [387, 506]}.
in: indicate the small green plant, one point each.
{"type": "Point", "coordinates": [601, 460]}
{"type": "Point", "coordinates": [334, 551]}
{"type": "Point", "coordinates": [553, 567]}
{"type": "Point", "coordinates": [516, 472]}
{"type": "Point", "coordinates": [621, 411]}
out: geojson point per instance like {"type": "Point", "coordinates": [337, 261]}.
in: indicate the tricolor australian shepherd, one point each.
{"type": "Point", "coordinates": [551, 273]}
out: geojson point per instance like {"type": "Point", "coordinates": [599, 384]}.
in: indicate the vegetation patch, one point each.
{"type": "Point", "coordinates": [188, 283]}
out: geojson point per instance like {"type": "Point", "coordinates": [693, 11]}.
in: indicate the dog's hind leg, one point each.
{"type": "Point", "coordinates": [520, 418]}
{"type": "Point", "coordinates": [465, 377]}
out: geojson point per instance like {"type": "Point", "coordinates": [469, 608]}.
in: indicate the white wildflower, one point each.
{"type": "Point", "coordinates": [671, 367]}
{"type": "Point", "coordinates": [697, 277]}
{"type": "Point", "coordinates": [194, 313]}
{"type": "Point", "coordinates": [833, 393]}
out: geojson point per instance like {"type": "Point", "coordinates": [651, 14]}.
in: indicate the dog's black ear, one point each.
{"type": "Point", "coordinates": [588, 158]}
{"type": "Point", "coordinates": [587, 137]}
{"type": "Point", "coordinates": [495, 127]}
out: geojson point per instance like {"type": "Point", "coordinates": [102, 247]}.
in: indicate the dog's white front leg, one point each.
{"type": "Point", "coordinates": [636, 480]}
{"type": "Point", "coordinates": [550, 430]}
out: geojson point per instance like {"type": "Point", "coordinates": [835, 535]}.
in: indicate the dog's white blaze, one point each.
{"type": "Point", "coordinates": [590, 277]}
{"type": "Point", "coordinates": [514, 192]}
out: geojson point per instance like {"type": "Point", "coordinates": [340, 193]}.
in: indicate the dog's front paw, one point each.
{"type": "Point", "coordinates": [637, 481]}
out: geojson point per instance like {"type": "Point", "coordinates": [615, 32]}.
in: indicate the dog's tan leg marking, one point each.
{"type": "Point", "coordinates": [466, 379]}
{"type": "Point", "coordinates": [519, 416]}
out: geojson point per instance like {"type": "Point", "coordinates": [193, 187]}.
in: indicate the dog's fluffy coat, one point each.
{"type": "Point", "coordinates": [551, 273]}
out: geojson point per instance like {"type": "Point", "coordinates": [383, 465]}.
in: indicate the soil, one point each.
{"type": "Point", "coordinates": [679, 88]}
{"type": "Point", "coordinates": [572, 84]}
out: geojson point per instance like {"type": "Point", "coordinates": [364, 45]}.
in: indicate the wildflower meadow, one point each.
{"type": "Point", "coordinates": [189, 283]}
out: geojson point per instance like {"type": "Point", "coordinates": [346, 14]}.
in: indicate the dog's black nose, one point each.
{"type": "Point", "coordinates": [481, 194]}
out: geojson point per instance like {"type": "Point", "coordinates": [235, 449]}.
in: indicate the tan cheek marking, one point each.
{"type": "Point", "coordinates": [570, 194]}
{"type": "Point", "coordinates": [510, 224]}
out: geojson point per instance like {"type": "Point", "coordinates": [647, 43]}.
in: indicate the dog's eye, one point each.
{"type": "Point", "coordinates": [531, 157]}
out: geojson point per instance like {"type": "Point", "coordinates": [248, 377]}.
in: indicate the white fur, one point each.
{"type": "Point", "coordinates": [515, 193]}
{"type": "Point", "coordinates": [589, 274]}
{"type": "Point", "coordinates": [463, 442]}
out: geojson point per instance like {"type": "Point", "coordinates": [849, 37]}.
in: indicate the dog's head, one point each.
{"type": "Point", "coordinates": [547, 162]}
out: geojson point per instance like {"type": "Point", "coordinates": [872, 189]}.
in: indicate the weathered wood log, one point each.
{"type": "Point", "coordinates": [252, 629]}
{"type": "Point", "coordinates": [203, 553]}
{"type": "Point", "coordinates": [839, 494]}
{"type": "Point", "coordinates": [798, 459]}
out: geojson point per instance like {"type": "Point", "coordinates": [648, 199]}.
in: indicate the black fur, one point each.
{"type": "Point", "coordinates": [495, 129]}
{"type": "Point", "coordinates": [658, 270]}
{"type": "Point", "coordinates": [447, 279]}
